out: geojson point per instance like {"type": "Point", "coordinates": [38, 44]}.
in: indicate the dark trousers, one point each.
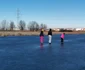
{"type": "Point", "coordinates": [62, 40]}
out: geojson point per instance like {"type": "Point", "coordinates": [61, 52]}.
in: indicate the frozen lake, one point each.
{"type": "Point", "coordinates": [26, 53]}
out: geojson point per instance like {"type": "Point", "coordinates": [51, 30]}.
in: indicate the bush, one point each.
{"type": "Point", "coordinates": [62, 30]}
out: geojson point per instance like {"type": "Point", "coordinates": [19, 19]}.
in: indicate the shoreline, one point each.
{"type": "Point", "coordinates": [30, 33]}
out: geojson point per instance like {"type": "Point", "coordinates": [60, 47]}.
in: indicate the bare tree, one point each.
{"type": "Point", "coordinates": [12, 25]}
{"type": "Point", "coordinates": [37, 26]}
{"type": "Point", "coordinates": [22, 25]}
{"type": "Point", "coordinates": [43, 26]}
{"type": "Point", "coordinates": [0, 26]}
{"type": "Point", "coordinates": [4, 25]}
{"type": "Point", "coordinates": [33, 26]}
{"type": "Point", "coordinates": [30, 26]}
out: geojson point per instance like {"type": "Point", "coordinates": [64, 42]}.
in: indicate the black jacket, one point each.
{"type": "Point", "coordinates": [41, 34]}
{"type": "Point", "coordinates": [50, 33]}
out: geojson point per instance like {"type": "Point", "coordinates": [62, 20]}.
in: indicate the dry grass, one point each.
{"type": "Point", "coordinates": [20, 33]}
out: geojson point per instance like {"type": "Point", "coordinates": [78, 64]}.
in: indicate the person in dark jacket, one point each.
{"type": "Point", "coordinates": [41, 37]}
{"type": "Point", "coordinates": [50, 36]}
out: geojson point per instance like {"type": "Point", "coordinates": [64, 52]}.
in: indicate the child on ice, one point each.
{"type": "Point", "coordinates": [41, 36]}
{"type": "Point", "coordinates": [62, 37]}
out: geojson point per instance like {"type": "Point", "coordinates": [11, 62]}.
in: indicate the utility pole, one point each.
{"type": "Point", "coordinates": [18, 16]}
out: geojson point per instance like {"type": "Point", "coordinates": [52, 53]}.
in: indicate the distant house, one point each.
{"type": "Point", "coordinates": [56, 29]}
{"type": "Point", "coordinates": [78, 29]}
{"type": "Point", "coordinates": [69, 28]}
{"type": "Point", "coordinates": [83, 29]}
{"type": "Point", "coordinates": [16, 28]}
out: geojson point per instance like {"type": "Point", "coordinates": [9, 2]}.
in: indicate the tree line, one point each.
{"type": "Point", "coordinates": [65, 30]}
{"type": "Point", "coordinates": [32, 26]}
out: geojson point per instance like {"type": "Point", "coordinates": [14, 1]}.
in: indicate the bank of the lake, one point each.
{"type": "Point", "coordinates": [22, 33]}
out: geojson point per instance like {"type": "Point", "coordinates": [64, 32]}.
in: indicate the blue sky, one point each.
{"type": "Point", "coordinates": [54, 13]}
